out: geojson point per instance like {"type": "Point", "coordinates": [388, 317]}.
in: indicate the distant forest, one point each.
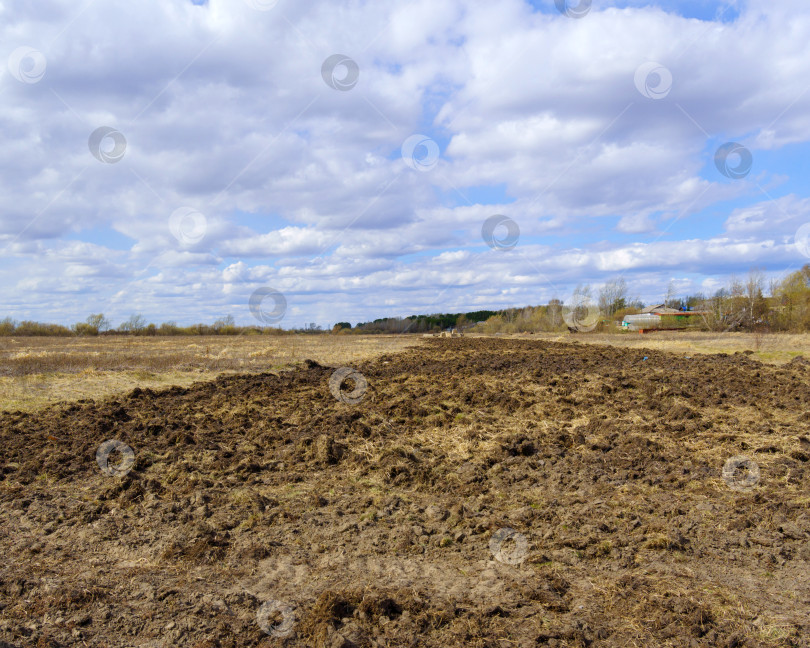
{"type": "Point", "coordinates": [743, 304]}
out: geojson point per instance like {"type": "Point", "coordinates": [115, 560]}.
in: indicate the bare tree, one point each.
{"type": "Point", "coordinates": [726, 310]}
{"type": "Point", "coordinates": [753, 295]}
{"type": "Point", "coordinates": [583, 289]}
{"type": "Point", "coordinates": [134, 324]}
{"type": "Point", "coordinates": [226, 322]}
{"type": "Point", "coordinates": [613, 296]}
{"type": "Point", "coordinates": [669, 300]}
{"type": "Point", "coordinates": [735, 287]}
{"type": "Point", "coordinates": [554, 312]}
{"type": "Point", "coordinates": [98, 322]}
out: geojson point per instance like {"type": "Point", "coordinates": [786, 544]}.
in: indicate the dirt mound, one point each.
{"type": "Point", "coordinates": [470, 492]}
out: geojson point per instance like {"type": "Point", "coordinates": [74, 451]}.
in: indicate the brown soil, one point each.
{"type": "Point", "coordinates": [481, 493]}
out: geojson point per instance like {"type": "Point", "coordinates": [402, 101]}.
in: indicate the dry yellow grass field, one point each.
{"type": "Point", "coordinates": [36, 371]}
{"type": "Point", "coordinates": [774, 348]}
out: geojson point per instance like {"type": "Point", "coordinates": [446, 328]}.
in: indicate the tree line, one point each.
{"type": "Point", "coordinates": [99, 324]}
{"type": "Point", "coordinates": [743, 304]}
{"type": "Point", "coordinates": [421, 323]}
{"type": "Point", "coordinates": [746, 304]}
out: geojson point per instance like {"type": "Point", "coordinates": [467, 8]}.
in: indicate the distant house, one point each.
{"type": "Point", "coordinates": [652, 318]}
{"type": "Point", "coordinates": [660, 309]}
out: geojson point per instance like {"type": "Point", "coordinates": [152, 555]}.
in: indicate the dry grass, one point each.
{"type": "Point", "coordinates": [37, 371]}
{"type": "Point", "coordinates": [41, 370]}
{"type": "Point", "coordinates": [774, 348]}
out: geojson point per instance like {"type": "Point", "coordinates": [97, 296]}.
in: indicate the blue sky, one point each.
{"type": "Point", "coordinates": [229, 156]}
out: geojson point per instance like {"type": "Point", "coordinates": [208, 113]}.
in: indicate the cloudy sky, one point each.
{"type": "Point", "coordinates": [368, 158]}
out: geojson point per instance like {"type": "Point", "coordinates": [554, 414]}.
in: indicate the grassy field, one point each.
{"type": "Point", "coordinates": [771, 348]}
{"type": "Point", "coordinates": [36, 371]}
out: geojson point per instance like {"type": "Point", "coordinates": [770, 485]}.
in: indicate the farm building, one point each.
{"type": "Point", "coordinates": [660, 317]}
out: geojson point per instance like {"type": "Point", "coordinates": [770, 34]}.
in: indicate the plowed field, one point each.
{"type": "Point", "coordinates": [467, 492]}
